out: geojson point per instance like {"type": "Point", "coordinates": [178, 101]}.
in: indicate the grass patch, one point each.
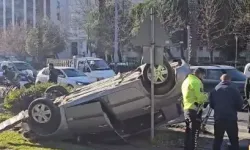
{"type": "Point", "coordinates": [5, 116]}
{"type": "Point", "coordinates": [11, 140]}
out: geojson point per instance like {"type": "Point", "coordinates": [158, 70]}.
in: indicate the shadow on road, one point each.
{"type": "Point", "coordinates": [164, 140]}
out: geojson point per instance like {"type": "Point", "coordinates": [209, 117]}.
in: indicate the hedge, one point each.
{"type": "Point", "coordinates": [20, 99]}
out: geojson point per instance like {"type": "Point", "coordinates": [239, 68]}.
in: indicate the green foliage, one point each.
{"type": "Point", "coordinates": [46, 39]}
{"type": "Point", "coordinates": [20, 98]}
{"type": "Point", "coordinates": [167, 11]}
{"type": "Point", "coordinates": [5, 116]}
{"type": "Point", "coordinates": [101, 26]}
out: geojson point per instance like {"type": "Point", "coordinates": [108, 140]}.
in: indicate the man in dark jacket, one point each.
{"type": "Point", "coordinates": [226, 100]}
{"type": "Point", "coordinates": [53, 75]}
{"type": "Point", "coordinates": [247, 91]}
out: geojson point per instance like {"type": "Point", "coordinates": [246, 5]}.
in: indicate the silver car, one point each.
{"type": "Point", "coordinates": [119, 105]}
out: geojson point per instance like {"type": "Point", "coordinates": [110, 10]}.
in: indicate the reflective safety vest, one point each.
{"type": "Point", "coordinates": [192, 92]}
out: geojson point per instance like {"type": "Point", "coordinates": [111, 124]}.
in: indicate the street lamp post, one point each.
{"type": "Point", "coordinates": [182, 52]}
{"type": "Point", "coordinates": [236, 50]}
{"type": "Point", "coordinates": [116, 57]}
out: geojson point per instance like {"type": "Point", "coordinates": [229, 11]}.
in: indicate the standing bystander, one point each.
{"type": "Point", "coordinates": [226, 100]}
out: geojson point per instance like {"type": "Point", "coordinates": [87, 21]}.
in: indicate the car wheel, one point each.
{"type": "Point", "coordinates": [70, 86]}
{"type": "Point", "coordinates": [56, 91]}
{"type": "Point", "coordinates": [164, 78]}
{"type": "Point", "coordinates": [44, 116]}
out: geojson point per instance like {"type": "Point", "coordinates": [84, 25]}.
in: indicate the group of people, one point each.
{"type": "Point", "coordinates": [225, 100]}
{"type": "Point", "coordinates": [11, 75]}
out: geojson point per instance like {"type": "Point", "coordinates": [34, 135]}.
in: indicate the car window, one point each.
{"type": "Point", "coordinates": [59, 72]}
{"type": "Point", "coordinates": [235, 74]}
{"type": "Point", "coordinates": [23, 66]}
{"type": "Point", "coordinates": [98, 65]}
{"type": "Point", "coordinates": [213, 74]}
{"type": "Point", "coordinates": [45, 71]}
{"type": "Point", "coordinates": [73, 73]}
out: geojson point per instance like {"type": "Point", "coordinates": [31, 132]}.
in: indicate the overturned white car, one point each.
{"type": "Point", "coordinates": [119, 105]}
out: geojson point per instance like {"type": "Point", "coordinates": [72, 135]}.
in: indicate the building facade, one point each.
{"type": "Point", "coordinates": [28, 12]}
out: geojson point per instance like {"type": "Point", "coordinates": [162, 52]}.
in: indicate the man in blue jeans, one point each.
{"type": "Point", "coordinates": [225, 100]}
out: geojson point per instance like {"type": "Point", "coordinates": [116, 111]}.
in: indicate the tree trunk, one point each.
{"type": "Point", "coordinates": [182, 52]}
{"type": "Point", "coordinates": [192, 21]}
{"type": "Point", "coordinates": [211, 53]}
{"type": "Point", "coordinates": [99, 50]}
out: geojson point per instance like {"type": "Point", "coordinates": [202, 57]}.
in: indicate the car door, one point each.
{"type": "Point", "coordinates": [211, 79]}
{"type": "Point", "coordinates": [84, 67]}
{"type": "Point", "coordinates": [44, 76]}
{"type": "Point", "coordinates": [129, 103]}
{"type": "Point", "coordinates": [61, 77]}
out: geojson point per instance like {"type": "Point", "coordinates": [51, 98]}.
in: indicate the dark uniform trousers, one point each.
{"type": "Point", "coordinates": [231, 128]}
{"type": "Point", "coordinates": [193, 124]}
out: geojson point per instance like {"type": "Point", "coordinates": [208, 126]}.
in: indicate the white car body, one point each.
{"type": "Point", "coordinates": [91, 66]}
{"type": "Point", "coordinates": [63, 78]}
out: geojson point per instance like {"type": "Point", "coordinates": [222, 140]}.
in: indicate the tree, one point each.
{"type": "Point", "coordinates": [100, 24]}
{"type": "Point", "coordinates": [13, 40]}
{"type": "Point", "coordinates": [210, 25]}
{"type": "Point", "coordinates": [46, 39]}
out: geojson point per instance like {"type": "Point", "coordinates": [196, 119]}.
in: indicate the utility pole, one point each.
{"type": "Point", "coordinates": [236, 50]}
{"type": "Point", "coordinates": [152, 62]}
{"type": "Point", "coordinates": [116, 57]}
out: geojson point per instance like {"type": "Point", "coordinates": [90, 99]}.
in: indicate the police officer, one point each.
{"type": "Point", "coordinates": [226, 100]}
{"type": "Point", "coordinates": [53, 74]}
{"type": "Point", "coordinates": [193, 100]}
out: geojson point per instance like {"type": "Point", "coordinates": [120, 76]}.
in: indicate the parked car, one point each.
{"type": "Point", "coordinates": [19, 67]}
{"type": "Point", "coordinates": [213, 74]}
{"type": "Point", "coordinates": [66, 75]}
{"type": "Point", "coordinates": [115, 106]}
{"type": "Point", "coordinates": [91, 66]}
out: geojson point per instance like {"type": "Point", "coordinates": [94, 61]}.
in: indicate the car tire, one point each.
{"type": "Point", "coordinates": [162, 87]}
{"type": "Point", "coordinates": [70, 86]}
{"type": "Point", "coordinates": [57, 89]}
{"type": "Point", "coordinates": [47, 122]}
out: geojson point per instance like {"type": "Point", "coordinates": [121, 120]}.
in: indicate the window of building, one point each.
{"type": "Point", "coordinates": [48, 8]}
{"type": "Point", "coordinates": [30, 12]}
{"type": "Point", "coordinates": [1, 13]}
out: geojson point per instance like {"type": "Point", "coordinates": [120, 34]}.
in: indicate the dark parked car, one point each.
{"type": "Point", "coordinates": [213, 74]}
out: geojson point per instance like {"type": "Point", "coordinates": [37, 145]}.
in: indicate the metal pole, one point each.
{"type": "Point", "coordinates": [236, 50]}
{"type": "Point", "coordinates": [152, 71]}
{"type": "Point", "coordinates": [188, 44]}
{"type": "Point", "coordinates": [13, 13]}
{"type": "Point", "coordinates": [116, 57]}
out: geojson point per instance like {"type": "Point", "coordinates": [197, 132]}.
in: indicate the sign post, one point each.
{"type": "Point", "coordinates": [152, 62]}
{"type": "Point", "coordinates": [151, 36]}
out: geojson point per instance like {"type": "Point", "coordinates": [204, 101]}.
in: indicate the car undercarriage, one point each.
{"type": "Point", "coordinates": [117, 106]}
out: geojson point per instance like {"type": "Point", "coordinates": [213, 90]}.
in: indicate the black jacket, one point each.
{"type": "Point", "coordinates": [247, 88]}
{"type": "Point", "coordinates": [53, 75]}
{"type": "Point", "coordinates": [226, 100]}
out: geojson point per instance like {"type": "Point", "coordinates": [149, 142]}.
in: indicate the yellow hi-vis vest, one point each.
{"type": "Point", "coordinates": [192, 92]}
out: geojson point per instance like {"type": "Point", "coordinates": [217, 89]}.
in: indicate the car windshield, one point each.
{"type": "Point", "coordinates": [23, 66]}
{"type": "Point", "coordinates": [98, 65]}
{"type": "Point", "coordinates": [215, 74]}
{"type": "Point", "coordinates": [235, 74]}
{"type": "Point", "coordinates": [73, 73]}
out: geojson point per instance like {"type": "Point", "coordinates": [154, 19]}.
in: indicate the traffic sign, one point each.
{"type": "Point", "coordinates": [158, 55]}
{"type": "Point", "coordinates": [144, 37]}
